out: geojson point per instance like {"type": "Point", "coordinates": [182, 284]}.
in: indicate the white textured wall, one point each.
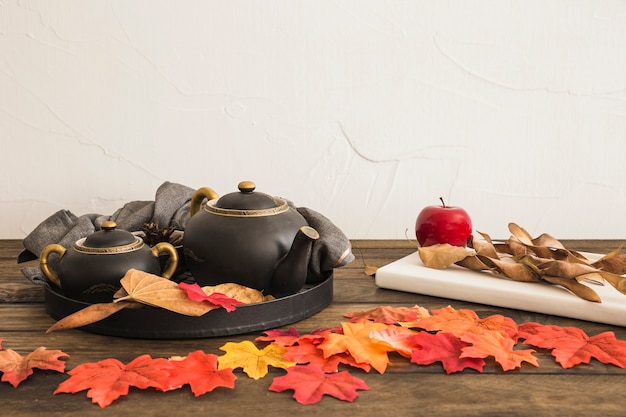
{"type": "Point", "coordinates": [363, 110]}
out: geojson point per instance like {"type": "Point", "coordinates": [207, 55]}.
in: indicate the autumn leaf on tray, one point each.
{"type": "Point", "coordinates": [572, 346]}
{"type": "Point", "coordinates": [493, 343]}
{"type": "Point", "coordinates": [245, 295]}
{"type": "Point", "coordinates": [356, 341]}
{"type": "Point", "coordinates": [109, 379]}
{"type": "Point", "coordinates": [200, 371]}
{"type": "Point", "coordinates": [16, 368]}
{"type": "Point", "coordinates": [310, 384]}
{"type": "Point", "coordinates": [90, 314]}
{"type": "Point", "coordinates": [460, 322]}
{"type": "Point", "coordinates": [253, 361]}
{"type": "Point", "coordinates": [196, 293]}
{"type": "Point", "coordinates": [389, 315]}
{"type": "Point", "coordinates": [442, 347]}
{"type": "Point", "coordinates": [160, 292]}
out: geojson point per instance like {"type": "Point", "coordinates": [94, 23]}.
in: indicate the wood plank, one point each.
{"type": "Point", "coordinates": [402, 394]}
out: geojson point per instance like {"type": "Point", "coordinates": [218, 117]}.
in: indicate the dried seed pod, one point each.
{"type": "Point", "coordinates": [574, 286]}
{"type": "Point", "coordinates": [565, 269]}
{"type": "Point", "coordinates": [513, 270]}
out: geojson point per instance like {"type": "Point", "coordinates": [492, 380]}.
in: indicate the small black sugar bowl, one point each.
{"type": "Point", "coordinates": [91, 270]}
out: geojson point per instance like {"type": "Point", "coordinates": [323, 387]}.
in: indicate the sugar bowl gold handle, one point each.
{"type": "Point", "coordinates": [45, 266]}
{"type": "Point", "coordinates": [167, 248]}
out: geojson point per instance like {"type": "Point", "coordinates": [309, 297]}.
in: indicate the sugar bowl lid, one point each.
{"type": "Point", "coordinates": [109, 240]}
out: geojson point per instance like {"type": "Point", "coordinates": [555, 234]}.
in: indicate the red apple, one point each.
{"type": "Point", "coordinates": [443, 224]}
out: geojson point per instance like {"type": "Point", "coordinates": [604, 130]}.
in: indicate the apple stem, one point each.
{"type": "Point", "coordinates": [442, 202]}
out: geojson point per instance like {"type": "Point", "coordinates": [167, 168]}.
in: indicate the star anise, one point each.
{"type": "Point", "coordinates": [154, 234]}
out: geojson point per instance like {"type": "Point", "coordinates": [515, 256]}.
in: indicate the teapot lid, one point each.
{"type": "Point", "coordinates": [248, 199]}
{"type": "Point", "coordinates": [109, 238]}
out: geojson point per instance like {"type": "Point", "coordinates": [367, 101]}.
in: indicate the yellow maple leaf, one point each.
{"type": "Point", "coordinates": [253, 361]}
{"type": "Point", "coordinates": [357, 342]}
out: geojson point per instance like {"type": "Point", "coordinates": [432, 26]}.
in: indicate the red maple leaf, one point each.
{"type": "Point", "coordinates": [442, 347]}
{"type": "Point", "coordinates": [195, 293]}
{"type": "Point", "coordinates": [318, 336]}
{"type": "Point", "coordinates": [200, 371]}
{"type": "Point", "coordinates": [280, 337]}
{"type": "Point", "coordinates": [109, 379]}
{"type": "Point", "coordinates": [493, 343]}
{"type": "Point", "coordinates": [310, 384]}
{"type": "Point", "coordinates": [16, 368]}
{"type": "Point", "coordinates": [389, 315]}
{"type": "Point", "coordinates": [572, 346]}
{"type": "Point", "coordinates": [307, 352]}
{"type": "Point", "coordinates": [464, 321]}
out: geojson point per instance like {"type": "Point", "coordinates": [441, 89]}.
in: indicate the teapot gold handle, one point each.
{"type": "Point", "coordinates": [45, 266]}
{"type": "Point", "coordinates": [168, 248]}
{"type": "Point", "coordinates": [199, 196]}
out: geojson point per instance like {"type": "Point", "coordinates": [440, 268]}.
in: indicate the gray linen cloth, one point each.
{"type": "Point", "coordinates": [171, 209]}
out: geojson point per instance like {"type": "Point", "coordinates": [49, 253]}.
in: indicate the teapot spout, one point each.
{"type": "Point", "coordinates": [291, 272]}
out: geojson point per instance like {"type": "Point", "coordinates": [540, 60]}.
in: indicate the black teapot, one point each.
{"type": "Point", "coordinates": [249, 238]}
{"type": "Point", "coordinates": [91, 270]}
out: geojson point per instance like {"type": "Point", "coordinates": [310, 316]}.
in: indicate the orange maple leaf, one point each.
{"type": "Point", "coordinates": [460, 322]}
{"type": "Point", "coordinates": [356, 341]}
{"type": "Point", "coordinates": [493, 343]}
{"type": "Point", "coordinates": [199, 370]}
{"type": "Point", "coordinates": [572, 346]}
{"type": "Point", "coordinates": [396, 338]}
{"type": "Point", "coordinates": [109, 379]}
{"type": "Point", "coordinates": [389, 315]}
{"type": "Point", "coordinates": [306, 351]}
{"type": "Point", "coordinates": [310, 384]}
{"type": "Point", "coordinates": [253, 361]}
{"type": "Point", "coordinates": [16, 368]}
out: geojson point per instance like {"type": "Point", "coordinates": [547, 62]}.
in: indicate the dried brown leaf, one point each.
{"type": "Point", "coordinates": [239, 292]}
{"type": "Point", "coordinates": [443, 255]}
{"type": "Point", "coordinates": [370, 270]}
{"type": "Point", "coordinates": [160, 292]}
{"type": "Point", "coordinates": [90, 314]}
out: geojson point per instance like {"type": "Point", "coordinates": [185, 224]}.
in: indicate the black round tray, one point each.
{"type": "Point", "coordinates": [155, 323]}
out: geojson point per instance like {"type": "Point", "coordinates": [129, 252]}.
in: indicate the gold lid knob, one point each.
{"type": "Point", "coordinates": [246, 186]}
{"type": "Point", "coordinates": [108, 225]}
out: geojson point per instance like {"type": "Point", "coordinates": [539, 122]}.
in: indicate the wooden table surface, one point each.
{"type": "Point", "coordinates": [404, 390]}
